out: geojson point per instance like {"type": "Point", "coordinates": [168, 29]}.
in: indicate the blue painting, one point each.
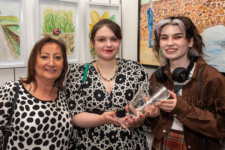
{"type": "Point", "coordinates": [215, 46]}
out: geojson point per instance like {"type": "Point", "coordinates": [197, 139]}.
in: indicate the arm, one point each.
{"type": "Point", "coordinates": [6, 98]}
{"type": "Point", "coordinates": [88, 120]}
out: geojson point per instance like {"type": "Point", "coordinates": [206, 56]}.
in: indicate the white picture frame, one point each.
{"type": "Point", "coordinates": [66, 18]}
{"type": "Point", "coordinates": [114, 11]}
{"type": "Point", "coordinates": [12, 34]}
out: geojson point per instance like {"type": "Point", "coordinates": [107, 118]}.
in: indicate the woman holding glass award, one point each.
{"type": "Point", "coordinates": [110, 85]}
{"type": "Point", "coordinates": [194, 116]}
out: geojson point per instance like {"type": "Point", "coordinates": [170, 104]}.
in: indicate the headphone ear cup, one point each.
{"type": "Point", "coordinates": [160, 76]}
{"type": "Point", "coordinates": [180, 74]}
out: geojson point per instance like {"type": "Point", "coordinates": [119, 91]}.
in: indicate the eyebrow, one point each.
{"type": "Point", "coordinates": [105, 36]}
{"type": "Point", "coordinates": [173, 34]}
{"type": "Point", "coordinates": [49, 54]}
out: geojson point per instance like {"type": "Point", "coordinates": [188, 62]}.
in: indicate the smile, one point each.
{"type": "Point", "coordinates": [108, 50]}
{"type": "Point", "coordinates": [50, 70]}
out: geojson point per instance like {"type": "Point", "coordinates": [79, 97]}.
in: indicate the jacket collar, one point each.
{"type": "Point", "coordinates": [200, 63]}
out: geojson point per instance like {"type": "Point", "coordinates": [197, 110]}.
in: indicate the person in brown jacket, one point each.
{"type": "Point", "coordinates": [194, 115]}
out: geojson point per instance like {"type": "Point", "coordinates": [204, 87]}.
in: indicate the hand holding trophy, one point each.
{"type": "Point", "coordinates": [148, 94]}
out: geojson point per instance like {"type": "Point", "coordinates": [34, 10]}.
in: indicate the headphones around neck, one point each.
{"type": "Point", "coordinates": [179, 74]}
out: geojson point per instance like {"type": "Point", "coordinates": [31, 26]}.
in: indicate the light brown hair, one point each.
{"type": "Point", "coordinates": [32, 61]}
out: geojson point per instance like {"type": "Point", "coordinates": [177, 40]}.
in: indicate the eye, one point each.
{"type": "Point", "coordinates": [178, 37]}
{"type": "Point", "coordinates": [114, 39]}
{"type": "Point", "coordinates": [58, 57]}
{"type": "Point", "coordinates": [44, 57]}
{"type": "Point", "coordinates": [101, 39]}
{"type": "Point", "coordinates": [163, 38]}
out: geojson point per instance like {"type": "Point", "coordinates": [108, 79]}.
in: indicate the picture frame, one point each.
{"type": "Point", "coordinates": [12, 34]}
{"type": "Point", "coordinates": [146, 55]}
{"type": "Point", "coordinates": [211, 27]}
{"type": "Point", "coordinates": [60, 20]}
{"type": "Point", "coordinates": [97, 11]}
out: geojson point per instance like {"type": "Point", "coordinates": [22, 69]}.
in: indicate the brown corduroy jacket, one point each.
{"type": "Point", "coordinates": [204, 117]}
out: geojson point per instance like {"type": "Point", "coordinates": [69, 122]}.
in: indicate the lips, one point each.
{"type": "Point", "coordinates": [51, 70]}
{"type": "Point", "coordinates": [171, 50]}
{"type": "Point", "coordinates": [108, 51]}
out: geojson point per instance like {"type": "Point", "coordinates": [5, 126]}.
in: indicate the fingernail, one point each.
{"type": "Point", "coordinates": [126, 119]}
{"type": "Point", "coordinates": [128, 124]}
{"type": "Point", "coordinates": [131, 116]}
{"type": "Point", "coordinates": [140, 116]}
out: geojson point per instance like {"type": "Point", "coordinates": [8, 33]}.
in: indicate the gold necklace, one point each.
{"type": "Point", "coordinates": [48, 96]}
{"type": "Point", "coordinates": [115, 74]}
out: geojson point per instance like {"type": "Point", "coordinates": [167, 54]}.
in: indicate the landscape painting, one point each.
{"type": "Point", "coordinates": [9, 31]}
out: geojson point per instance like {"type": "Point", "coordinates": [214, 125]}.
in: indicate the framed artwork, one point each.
{"type": "Point", "coordinates": [94, 13]}
{"type": "Point", "coordinates": [208, 16]}
{"type": "Point", "coordinates": [12, 34]}
{"type": "Point", "coordinates": [59, 19]}
{"type": "Point", "coordinates": [146, 22]}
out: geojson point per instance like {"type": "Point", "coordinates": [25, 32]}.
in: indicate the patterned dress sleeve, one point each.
{"type": "Point", "coordinates": [74, 93]}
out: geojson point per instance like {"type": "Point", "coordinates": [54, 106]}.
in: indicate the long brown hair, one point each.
{"type": "Point", "coordinates": [32, 61]}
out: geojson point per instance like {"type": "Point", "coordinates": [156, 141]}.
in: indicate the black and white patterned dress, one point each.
{"type": "Point", "coordinates": [94, 97]}
{"type": "Point", "coordinates": [37, 124]}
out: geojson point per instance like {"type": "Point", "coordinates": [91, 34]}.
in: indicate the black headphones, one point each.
{"type": "Point", "coordinates": [179, 74]}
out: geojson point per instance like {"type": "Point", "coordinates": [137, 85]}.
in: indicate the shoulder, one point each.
{"type": "Point", "coordinates": [213, 74]}
{"type": "Point", "coordinates": [10, 84]}
{"type": "Point", "coordinates": [131, 64]}
{"type": "Point", "coordinates": [76, 69]}
{"type": "Point", "coordinates": [9, 88]}
{"type": "Point", "coordinates": [76, 66]}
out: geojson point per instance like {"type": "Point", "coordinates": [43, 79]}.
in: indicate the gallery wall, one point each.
{"type": "Point", "coordinates": [129, 25]}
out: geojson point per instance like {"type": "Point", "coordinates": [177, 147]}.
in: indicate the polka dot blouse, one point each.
{"type": "Point", "coordinates": [36, 124]}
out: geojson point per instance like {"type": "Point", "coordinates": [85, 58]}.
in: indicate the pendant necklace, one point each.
{"type": "Point", "coordinates": [115, 74]}
{"type": "Point", "coordinates": [48, 96]}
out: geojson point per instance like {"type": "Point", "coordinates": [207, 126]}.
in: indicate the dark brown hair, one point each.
{"type": "Point", "coordinates": [32, 60]}
{"type": "Point", "coordinates": [189, 30]}
{"type": "Point", "coordinates": [108, 23]}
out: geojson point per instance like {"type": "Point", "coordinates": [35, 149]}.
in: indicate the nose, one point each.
{"type": "Point", "coordinates": [51, 62]}
{"type": "Point", "coordinates": [109, 44]}
{"type": "Point", "coordinates": [170, 41]}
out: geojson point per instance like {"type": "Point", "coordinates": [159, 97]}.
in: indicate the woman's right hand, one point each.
{"type": "Point", "coordinates": [108, 118]}
{"type": "Point", "coordinates": [152, 112]}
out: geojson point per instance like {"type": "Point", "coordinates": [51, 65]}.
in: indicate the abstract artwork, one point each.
{"type": "Point", "coordinates": [207, 15]}
{"type": "Point", "coordinates": [12, 34]}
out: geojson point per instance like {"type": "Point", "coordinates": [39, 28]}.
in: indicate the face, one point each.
{"type": "Point", "coordinates": [49, 63]}
{"type": "Point", "coordinates": [106, 44]}
{"type": "Point", "coordinates": [173, 43]}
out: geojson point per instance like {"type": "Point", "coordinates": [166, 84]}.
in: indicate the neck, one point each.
{"type": "Point", "coordinates": [179, 63]}
{"type": "Point", "coordinates": [46, 86]}
{"type": "Point", "coordinates": [107, 64]}
{"type": "Point", "coordinates": [107, 69]}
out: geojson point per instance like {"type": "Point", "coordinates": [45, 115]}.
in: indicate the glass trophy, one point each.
{"type": "Point", "coordinates": [148, 95]}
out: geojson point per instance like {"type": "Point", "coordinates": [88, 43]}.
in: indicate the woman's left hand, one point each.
{"type": "Point", "coordinates": [169, 104]}
{"type": "Point", "coordinates": [135, 122]}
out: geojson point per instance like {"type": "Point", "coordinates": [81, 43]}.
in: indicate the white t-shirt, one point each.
{"type": "Point", "coordinates": [177, 125]}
